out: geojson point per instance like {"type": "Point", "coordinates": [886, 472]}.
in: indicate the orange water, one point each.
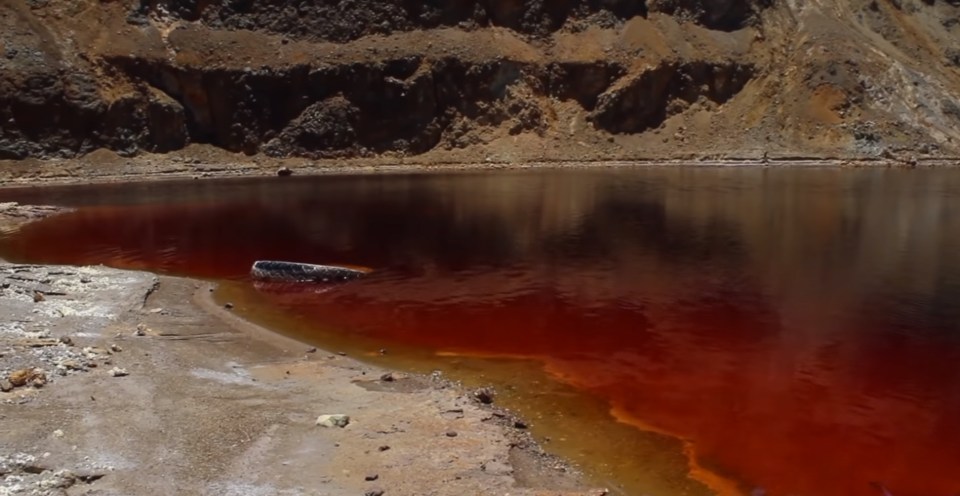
{"type": "Point", "coordinates": [797, 331]}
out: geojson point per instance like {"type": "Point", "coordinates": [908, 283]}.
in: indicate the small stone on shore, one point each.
{"type": "Point", "coordinates": [35, 377]}
{"type": "Point", "coordinates": [451, 434]}
{"type": "Point", "coordinates": [115, 348]}
{"type": "Point", "coordinates": [383, 448]}
{"type": "Point", "coordinates": [374, 492]}
{"type": "Point", "coordinates": [284, 172]}
{"type": "Point", "coordinates": [333, 420]}
{"type": "Point", "coordinates": [484, 395]}
{"type": "Point", "coordinates": [388, 377]}
{"type": "Point", "coordinates": [371, 477]}
{"type": "Point", "coordinates": [118, 372]}
{"type": "Point", "coordinates": [228, 305]}
{"type": "Point", "coordinates": [70, 364]}
{"type": "Point", "coordinates": [93, 352]}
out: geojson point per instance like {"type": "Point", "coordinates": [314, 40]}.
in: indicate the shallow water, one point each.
{"type": "Point", "coordinates": [678, 331]}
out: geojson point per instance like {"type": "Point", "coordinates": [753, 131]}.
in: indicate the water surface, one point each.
{"type": "Point", "coordinates": [678, 331]}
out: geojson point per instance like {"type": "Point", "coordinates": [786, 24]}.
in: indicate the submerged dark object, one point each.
{"type": "Point", "coordinates": [271, 270]}
{"type": "Point", "coordinates": [880, 487]}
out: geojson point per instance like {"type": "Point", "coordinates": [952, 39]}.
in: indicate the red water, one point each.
{"type": "Point", "coordinates": [799, 330]}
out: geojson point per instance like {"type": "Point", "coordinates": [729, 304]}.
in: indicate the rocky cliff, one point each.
{"type": "Point", "coordinates": [551, 79]}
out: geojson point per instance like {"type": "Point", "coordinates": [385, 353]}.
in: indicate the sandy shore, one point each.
{"type": "Point", "coordinates": [123, 382]}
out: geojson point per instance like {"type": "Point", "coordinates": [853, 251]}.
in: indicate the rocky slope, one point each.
{"type": "Point", "coordinates": [518, 79]}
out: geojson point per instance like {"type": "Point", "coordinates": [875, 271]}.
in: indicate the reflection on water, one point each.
{"type": "Point", "coordinates": [798, 330]}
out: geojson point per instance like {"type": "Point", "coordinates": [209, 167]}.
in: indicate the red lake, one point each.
{"type": "Point", "coordinates": [672, 330]}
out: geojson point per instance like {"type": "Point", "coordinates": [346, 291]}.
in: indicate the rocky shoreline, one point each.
{"type": "Point", "coordinates": [124, 382]}
{"type": "Point", "coordinates": [199, 163]}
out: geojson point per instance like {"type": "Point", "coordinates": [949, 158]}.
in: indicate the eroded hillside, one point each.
{"type": "Point", "coordinates": [511, 79]}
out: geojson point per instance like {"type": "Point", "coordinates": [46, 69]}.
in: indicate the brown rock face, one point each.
{"type": "Point", "coordinates": [327, 125]}
{"type": "Point", "coordinates": [614, 79]}
{"type": "Point", "coordinates": [646, 100]}
{"type": "Point", "coordinates": [342, 21]}
{"type": "Point", "coordinates": [726, 15]}
{"type": "Point", "coordinates": [53, 101]}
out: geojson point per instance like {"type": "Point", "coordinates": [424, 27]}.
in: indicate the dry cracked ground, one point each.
{"type": "Point", "coordinates": [501, 81]}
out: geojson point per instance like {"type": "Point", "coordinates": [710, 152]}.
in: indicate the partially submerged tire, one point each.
{"type": "Point", "coordinates": [271, 270]}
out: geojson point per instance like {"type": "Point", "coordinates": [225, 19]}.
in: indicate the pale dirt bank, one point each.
{"type": "Point", "coordinates": [149, 387]}
{"type": "Point", "coordinates": [201, 162]}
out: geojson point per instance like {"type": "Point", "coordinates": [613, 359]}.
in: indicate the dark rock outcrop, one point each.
{"type": "Point", "coordinates": [52, 104]}
{"type": "Point", "coordinates": [325, 126]}
{"type": "Point", "coordinates": [345, 20]}
{"type": "Point", "coordinates": [339, 78]}
{"type": "Point", "coordinates": [726, 15]}
{"type": "Point", "coordinates": [645, 100]}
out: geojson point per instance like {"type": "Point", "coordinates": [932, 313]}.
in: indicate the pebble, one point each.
{"type": "Point", "coordinates": [23, 377]}
{"type": "Point", "coordinates": [118, 372]}
{"type": "Point", "coordinates": [19, 377]}
{"type": "Point", "coordinates": [374, 492]}
{"type": "Point", "coordinates": [93, 352]}
{"type": "Point", "coordinates": [115, 348]}
{"type": "Point", "coordinates": [451, 434]}
{"type": "Point", "coordinates": [484, 395]}
{"type": "Point", "coordinates": [311, 350]}
{"type": "Point", "coordinates": [284, 171]}
{"type": "Point", "coordinates": [141, 330]}
{"type": "Point", "coordinates": [228, 305]}
{"type": "Point", "coordinates": [371, 477]}
{"type": "Point", "coordinates": [333, 420]}
{"type": "Point", "coordinates": [383, 448]}
{"type": "Point", "coordinates": [70, 364]}
{"type": "Point", "coordinates": [388, 377]}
